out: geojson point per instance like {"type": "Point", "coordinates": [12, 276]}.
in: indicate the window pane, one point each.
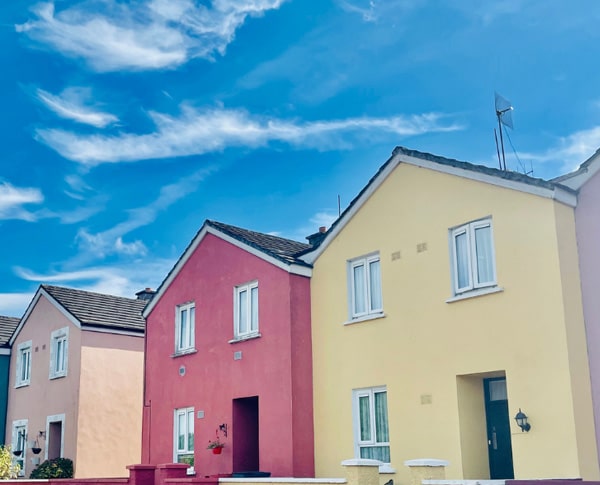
{"type": "Point", "coordinates": [381, 453]}
{"type": "Point", "coordinates": [243, 312]}
{"type": "Point", "coordinates": [497, 390]}
{"type": "Point", "coordinates": [183, 329]}
{"type": "Point", "coordinates": [381, 418]}
{"type": "Point", "coordinates": [58, 366]}
{"type": "Point", "coordinates": [483, 250]}
{"type": "Point", "coordinates": [359, 290]}
{"type": "Point", "coordinates": [190, 430]}
{"type": "Point", "coordinates": [462, 260]}
{"type": "Point", "coordinates": [254, 309]}
{"type": "Point", "coordinates": [180, 431]}
{"type": "Point", "coordinates": [375, 285]}
{"type": "Point", "coordinates": [365, 418]}
{"type": "Point", "coordinates": [191, 323]}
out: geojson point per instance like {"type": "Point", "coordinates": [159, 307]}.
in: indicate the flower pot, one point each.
{"type": "Point", "coordinates": [217, 451]}
{"type": "Point", "coordinates": [36, 451]}
{"type": "Point", "coordinates": [17, 452]}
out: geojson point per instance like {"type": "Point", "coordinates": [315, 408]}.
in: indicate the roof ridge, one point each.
{"type": "Point", "coordinates": [264, 234]}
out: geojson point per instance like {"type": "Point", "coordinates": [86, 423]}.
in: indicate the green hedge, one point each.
{"type": "Point", "coordinates": [55, 468]}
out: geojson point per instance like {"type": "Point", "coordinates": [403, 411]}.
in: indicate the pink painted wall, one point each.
{"type": "Point", "coordinates": [275, 367]}
{"type": "Point", "coordinates": [587, 219]}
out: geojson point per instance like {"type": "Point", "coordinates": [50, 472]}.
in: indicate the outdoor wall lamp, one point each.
{"type": "Point", "coordinates": [223, 429]}
{"type": "Point", "coordinates": [521, 419]}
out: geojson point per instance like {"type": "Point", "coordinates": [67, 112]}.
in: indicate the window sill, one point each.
{"type": "Point", "coordinates": [181, 353]}
{"type": "Point", "coordinates": [243, 338]}
{"type": "Point", "coordinates": [386, 468]}
{"type": "Point", "coordinates": [57, 376]}
{"type": "Point", "coordinates": [475, 293]}
{"type": "Point", "coordinates": [366, 318]}
{"type": "Point", "coordinates": [21, 384]}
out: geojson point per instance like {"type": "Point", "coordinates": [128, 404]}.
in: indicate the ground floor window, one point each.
{"type": "Point", "coordinates": [184, 436]}
{"type": "Point", "coordinates": [19, 444]}
{"type": "Point", "coordinates": [371, 431]}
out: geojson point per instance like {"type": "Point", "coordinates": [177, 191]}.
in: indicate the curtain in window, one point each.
{"type": "Point", "coordinates": [180, 431]}
{"type": "Point", "coordinates": [183, 329]}
{"type": "Point", "coordinates": [375, 282]}
{"type": "Point", "coordinates": [381, 453]}
{"type": "Point", "coordinates": [381, 418]}
{"type": "Point", "coordinates": [365, 418]}
{"type": "Point", "coordinates": [190, 430]}
{"type": "Point", "coordinates": [461, 247]}
{"type": "Point", "coordinates": [483, 252]}
{"type": "Point", "coordinates": [358, 277]}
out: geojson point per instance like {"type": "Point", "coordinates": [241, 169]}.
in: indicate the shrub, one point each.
{"type": "Point", "coordinates": [55, 468]}
{"type": "Point", "coordinates": [8, 469]}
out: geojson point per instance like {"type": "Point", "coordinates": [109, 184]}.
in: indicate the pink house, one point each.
{"type": "Point", "coordinates": [586, 181]}
{"type": "Point", "coordinates": [75, 387]}
{"type": "Point", "coordinates": [228, 356]}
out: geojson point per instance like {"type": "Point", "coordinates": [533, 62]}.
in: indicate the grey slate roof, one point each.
{"type": "Point", "coordinates": [8, 326]}
{"type": "Point", "coordinates": [100, 311]}
{"type": "Point", "coordinates": [285, 250]}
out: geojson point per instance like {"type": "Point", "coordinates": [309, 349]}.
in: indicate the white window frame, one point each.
{"type": "Point", "coordinates": [24, 349]}
{"type": "Point", "coordinates": [358, 442]}
{"type": "Point", "coordinates": [56, 418]}
{"type": "Point", "coordinates": [252, 327]}
{"type": "Point", "coordinates": [58, 337]}
{"type": "Point", "coordinates": [188, 413]}
{"type": "Point", "coordinates": [21, 460]}
{"type": "Point", "coordinates": [189, 342]}
{"type": "Point", "coordinates": [364, 261]}
{"type": "Point", "coordinates": [472, 265]}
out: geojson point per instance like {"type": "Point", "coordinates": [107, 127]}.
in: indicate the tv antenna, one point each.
{"type": "Point", "coordinates": [504, 115]}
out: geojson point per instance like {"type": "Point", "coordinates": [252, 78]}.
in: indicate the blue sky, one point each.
{"type": "Point", "coordinates": [125, 124]}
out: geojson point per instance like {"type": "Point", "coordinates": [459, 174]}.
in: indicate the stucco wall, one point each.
{"type": "Point", "coordinates": [588, 241]}
{"type": "Point", "coordinates": [423, 343]}
{"type": "Point", "coordinates": [272, 367]}
{"type": "Point", "coordinates": [45, 397]}
{"type": "Point", "coordinates": [110, 404]}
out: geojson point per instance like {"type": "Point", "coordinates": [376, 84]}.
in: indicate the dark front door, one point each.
{"type": "Point", "coordinates": [245, 434]}
{"type": "Point", "coordinates": [498, 429]}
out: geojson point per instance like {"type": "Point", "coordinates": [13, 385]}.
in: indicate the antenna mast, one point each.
{"type": "Point", "coordinates": [503, 113]}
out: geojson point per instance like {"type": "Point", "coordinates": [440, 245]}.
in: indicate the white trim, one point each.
{"type": "Point", "coordinates": [20, 423]}
{"type": "Point", "coordinates": [426, 462]}
{"type": "Point", "coordinates": [364, 262]}
{"type": "Point", "coordinates": [23, 346]}
{"type": "Point", "coordinates": [206, 229]}
{"type": "Point", "coordinates": [361, 462]}
{"type": "Point", "coordinates": [4, 351]}
{"type": "Point", "coordinates": [580, 177]}
{"type": "Point", "coordinates": [246, 337]}
{"type": "Point", "coordinates": [190, 344]}
{"type": "Point", "coordinates": [176, 451]}
{"type": "Point", "coordinates": [370, 393]}
{"type": "Point", "coordinates": [475, 293]}
{"type": "Point", "coordinates": [237, 290]}
{"type": "Point", "coordinates": [557, 193]}
{"type": "Point", "coordinates": [56, 418]}
{"type": "Point", "coordinates": [129, 333]}
{"type": "Point", "coordinates": [366, 318]}
{"type": "Point", "coordinates": [62, 334]}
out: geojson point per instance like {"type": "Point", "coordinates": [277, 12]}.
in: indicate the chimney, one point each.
{"type": "Point", "coordinates": [315, 239]}
{"type": "Point", "coordinates": [145, 294]}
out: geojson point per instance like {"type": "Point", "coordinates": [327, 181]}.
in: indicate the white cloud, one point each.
{"type": "Point", "coordinates": [141, 35]}
{"type": "Point", "coordinates": [197, 132]}
{"type": "Point", "coordinates": [12, 200]}
{"type": "Point", "coordinates": [367, 14]}
{"type": "Point", "coordinates": [102, 244]}
{"type": "Point", "coordinates": [569, 151]}
{"type": "Point", "coordinates": [14, 304]}
{"type": "Point", "coordinates": [72, 104]}
{"type": "Point", "coordinates": [325, 218]}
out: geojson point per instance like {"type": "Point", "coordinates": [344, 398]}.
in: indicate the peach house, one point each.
{"type": "Point", "coordinates": [228, 356]}
{"type": "Point", "coordinates": [75, 387]}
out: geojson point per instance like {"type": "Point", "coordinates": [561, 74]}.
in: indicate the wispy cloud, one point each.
{"type": "Point", "coordinates": [141, 35]}
{"type": "Point", "coordinates": [12, 200]}
{"type": "Point", "coordinates": [569, 151]}
{"type": "Point", "coordinates": [367, 13]}
{"type": "Point", "coordinates": [14, 304]}
{"type": "Point", "coordinates": [74, 104]}
{"type": "Point", "coordinates": [197, 132]}
{"type": "Point", "coordinates": [94, 246]}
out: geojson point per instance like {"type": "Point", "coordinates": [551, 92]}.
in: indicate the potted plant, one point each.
{"type": "Point", "coordinates": [216, 446]}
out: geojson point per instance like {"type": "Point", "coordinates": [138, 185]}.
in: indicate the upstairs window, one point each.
{"type": "Point", "coordinates": [365, 286]}
{"type": "Point", "coordinates": [473, 260]}
{"type": "Point", "coordinates": [23, 364]}
{"type": "Point", "coordinates": [59, 348]}
{"type": "Point", "coordinates": [184, 436]}
{"type": "Point", "coordinates": [185, 327]}
{"type": "Point", "coordinates": [372, 439]}
{"type": "Point", "coordinates": [246, 310]}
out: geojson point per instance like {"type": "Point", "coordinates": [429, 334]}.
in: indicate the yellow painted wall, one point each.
{"type": "Point", "coordinates": [423, 344]}
{"type": "Point", "coordinates": [110, 405]}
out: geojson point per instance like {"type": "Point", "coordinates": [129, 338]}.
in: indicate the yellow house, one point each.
{"type": "Point", "coordinates": [445, 301]}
